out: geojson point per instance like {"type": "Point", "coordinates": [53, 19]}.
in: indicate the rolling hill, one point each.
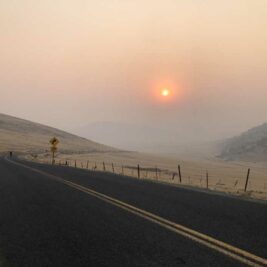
{"type": "Point", "coordinates": [25, 136]}
{"type": "Point", "coordinates": [249, 146]}
{"type": "Point", "coordinates": [127, 136]}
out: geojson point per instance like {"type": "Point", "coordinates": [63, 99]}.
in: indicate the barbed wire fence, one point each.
{"type": "Point", "coordinates": [238, 179]}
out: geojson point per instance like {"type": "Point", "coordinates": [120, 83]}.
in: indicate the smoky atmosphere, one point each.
{"type": "Point", "coordinates": [193, 70]}
{"type": "Point", "coordinates": [133, 133]}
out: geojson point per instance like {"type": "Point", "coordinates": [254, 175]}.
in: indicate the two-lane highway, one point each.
{"type": "Point", "coordinates": [61, 216]}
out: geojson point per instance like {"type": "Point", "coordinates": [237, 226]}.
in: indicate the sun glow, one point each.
{"type": "Point", "coordinates": [165, 92]}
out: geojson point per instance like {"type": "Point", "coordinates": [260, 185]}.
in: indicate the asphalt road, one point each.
{"type": "Point", "coordinates": [46, 223]}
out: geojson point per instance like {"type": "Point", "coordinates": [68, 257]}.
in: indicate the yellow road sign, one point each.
{"type": "Point", "coordinates": [54, 141]}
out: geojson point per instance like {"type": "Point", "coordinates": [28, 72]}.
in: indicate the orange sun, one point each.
{"type": "Point", "coordinates": [165, 92]}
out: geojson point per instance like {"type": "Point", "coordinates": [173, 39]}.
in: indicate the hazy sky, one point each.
{"type": "Point", "coordinates": [70, 62]}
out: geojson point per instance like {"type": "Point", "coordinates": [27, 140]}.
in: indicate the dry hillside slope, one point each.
{"type": "Point", "coordinates": [26, 136]}
{"type": "Point", "coordinates": [249, 146]}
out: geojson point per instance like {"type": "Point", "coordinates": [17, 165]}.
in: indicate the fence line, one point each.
{"type": "Point", "coordinates": [235, 179]}
{"type": "Point", "coordinates": [239, 179]}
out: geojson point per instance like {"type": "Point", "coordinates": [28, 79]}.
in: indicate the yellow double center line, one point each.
{"type": "Point", "coordinates": [212, 243]}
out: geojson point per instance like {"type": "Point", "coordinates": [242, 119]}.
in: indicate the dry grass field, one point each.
{"type": "Point", "coordinates": [229, 177]}
{"type": "Point", "coordinates": [24, 136]}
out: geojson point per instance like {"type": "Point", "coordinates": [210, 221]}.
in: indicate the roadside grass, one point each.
{"type": "Point", "coordinates": [212, 174]}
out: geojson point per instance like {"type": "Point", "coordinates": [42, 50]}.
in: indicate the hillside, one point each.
{"type": "Point", "coordinates": [26, 136]}
{"type": "Point", "coordinates": [249, 146]}
{"type": "Point", "coordinates": [126, 135]}
{"type": "Point", "coordinates": [161, 138]}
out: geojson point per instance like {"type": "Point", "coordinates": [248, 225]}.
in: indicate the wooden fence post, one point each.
{"type": "Point", "coordinates": [207, 179]}
{"type": "Point", "coordinates": [180, 175]}
{"type": "Point", "coordinates": [138, 171]}
{"type": "Point", "coordinates": [246, 185]}
{"type": "Point", "coordinates": [104, 166]}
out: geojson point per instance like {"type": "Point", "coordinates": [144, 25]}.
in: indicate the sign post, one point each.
{"type": "Point", "coordinates": [54, 142]}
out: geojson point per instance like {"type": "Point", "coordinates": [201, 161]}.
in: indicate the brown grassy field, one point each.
{"type": "Point", "coordinates": [229, 177]}
{"type": "Point", "coordinates": [24, 136]}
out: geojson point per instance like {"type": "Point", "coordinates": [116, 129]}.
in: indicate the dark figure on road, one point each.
{"type": "Point", "coordinates": [10, 154]}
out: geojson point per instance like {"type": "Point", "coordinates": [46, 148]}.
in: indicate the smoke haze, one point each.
{"type": "Point", "coordinates": [70, 63]}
